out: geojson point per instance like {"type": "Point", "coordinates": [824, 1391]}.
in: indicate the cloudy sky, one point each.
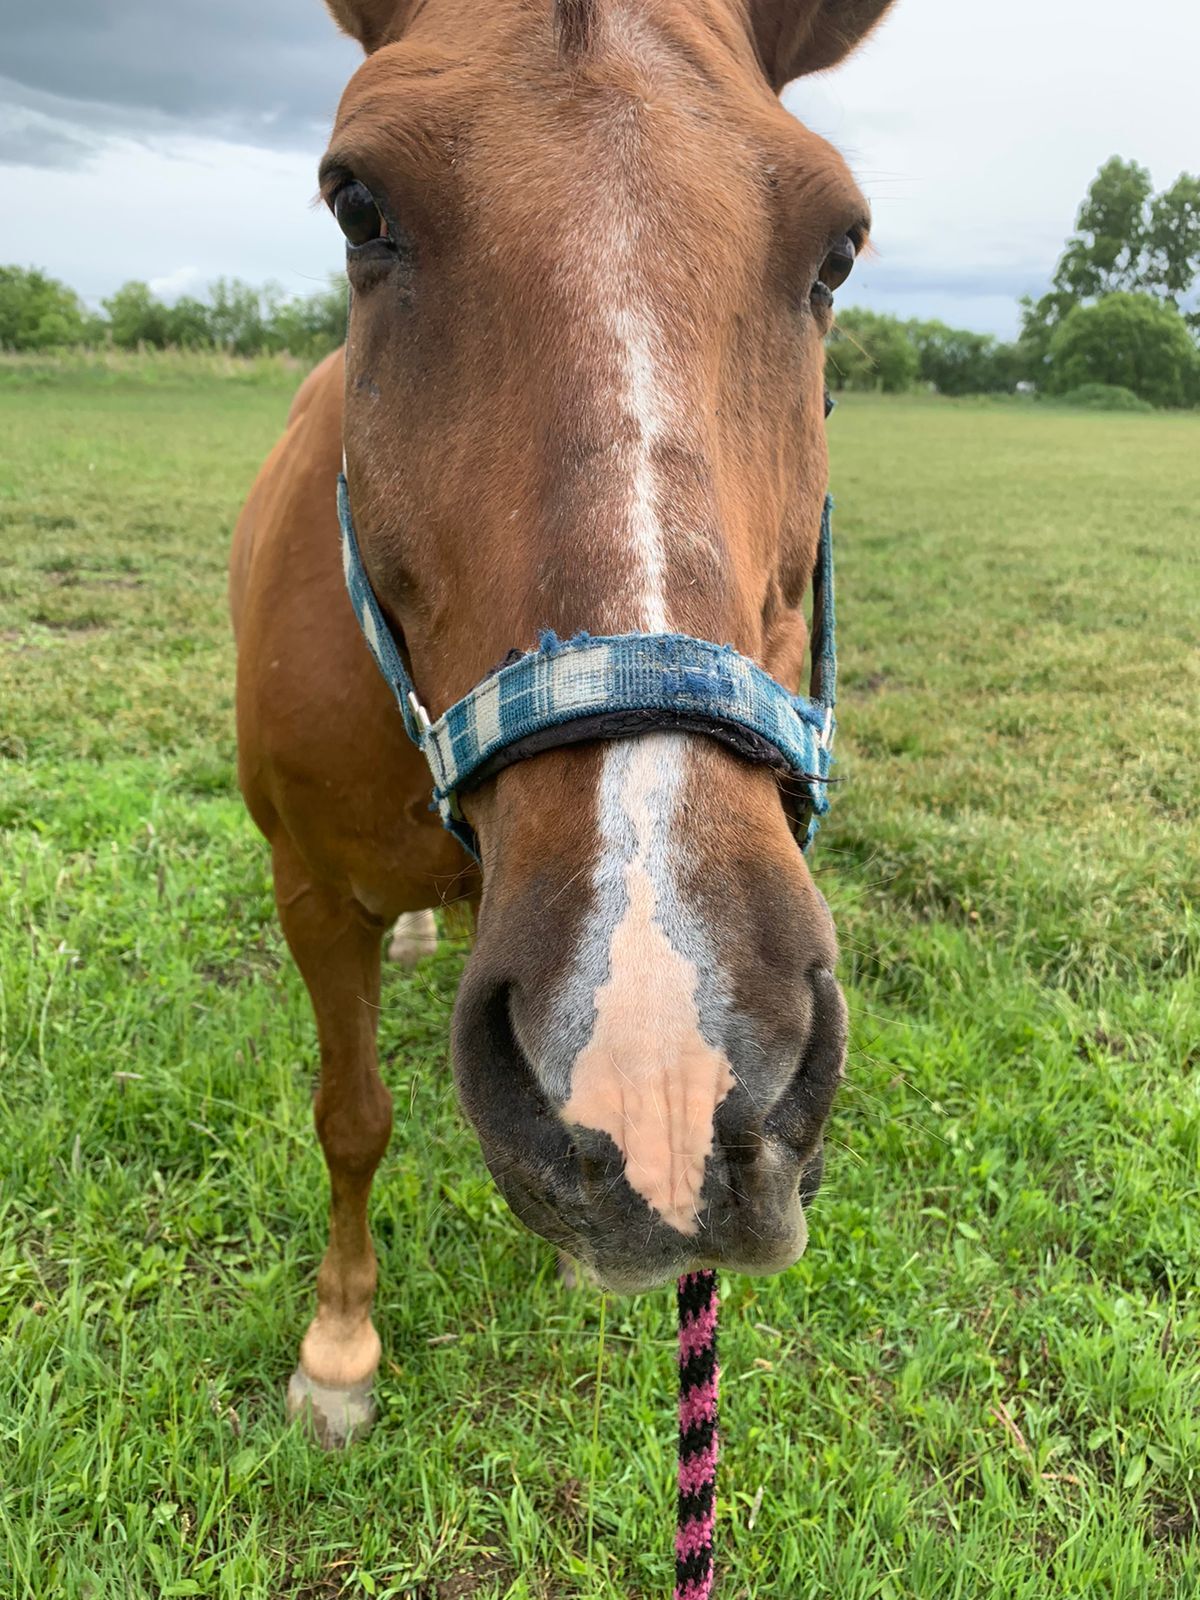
{"type": "Point", "coordinates": [179, 142]}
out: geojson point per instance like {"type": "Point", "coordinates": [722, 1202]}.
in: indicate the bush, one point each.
{"type": "Point", "coordinates": [1131, 341]}
{"type": "Point", "coordinates": [956, 361]}
{"type": "Point", "coordinates": [314, 326]}
{"type": "Point", "coordinates": [188, 324]}
{"type": "Point", "coordinates": [135, 317]}
{"type": "Point", "coordinates": [37, 312]}
{"type": "Point", "coordinates": [1104, 397]}
{"type": "Point", "coordinates": [235, 318]}
{"type": "Point", "coordinates": [868, 350]}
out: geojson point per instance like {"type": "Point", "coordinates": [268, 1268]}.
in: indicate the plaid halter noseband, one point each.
{"type": "Point", "coordinates": [585, 688]}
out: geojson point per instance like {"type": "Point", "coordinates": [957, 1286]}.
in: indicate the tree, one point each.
{"type": "Point", "coordinates": [1173, 241]}
{"type": "Point", "coordinates": [868, 350]}
{"type": "Point", "coordinates": [1132, 340]}
{"type": "Point", "coordinates": [1039, 319]}
{"type": "Point", "coordinates": [188, 325]}
{"type": "Point", "coordinates": [1107, 250]}
{"type": "Point", "coordinates": [238, 316]}
{"type": "Point", "coordinates": [957, 361]}
{"type": "Point", "coordinates": [1126, 240]}
{"type": "Point", "coordinates": [135, 317]}
{"type": "Point", "coordinates": [37, 312]}
{"type": "Point", "coordinates": [313, 326]}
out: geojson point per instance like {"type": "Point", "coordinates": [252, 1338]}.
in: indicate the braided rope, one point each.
{"type": "Point", "coordinates": [698, 1378]}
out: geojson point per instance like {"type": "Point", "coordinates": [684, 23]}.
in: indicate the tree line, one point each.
{"type": "Point", "coordinates": [1121, 312]}
{"type": "Point", "coordinates": [39, 313]}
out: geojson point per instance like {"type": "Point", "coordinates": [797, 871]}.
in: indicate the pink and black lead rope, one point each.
{"type": "Point", "coordinates": [698, 1374]}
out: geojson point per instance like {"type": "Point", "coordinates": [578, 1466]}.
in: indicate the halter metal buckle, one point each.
{"type": "Point", "coordinates": [419, 712]}
{"type": "Point", "coordinates": [826, 737]}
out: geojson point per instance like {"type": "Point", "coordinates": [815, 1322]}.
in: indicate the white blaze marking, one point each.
{"type": "Point", "coordinates": [648, 1077]}
{"type": "Point", "coordinates": [637, 338]}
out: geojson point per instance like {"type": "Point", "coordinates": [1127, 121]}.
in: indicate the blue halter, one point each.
{"type": "Point", "coordinates": [567, 691]}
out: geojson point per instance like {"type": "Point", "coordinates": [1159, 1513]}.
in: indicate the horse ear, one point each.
{"type": "Point", "coordinates": [371, 22]}
{"type": "Point", "coordinates": [795, 37]}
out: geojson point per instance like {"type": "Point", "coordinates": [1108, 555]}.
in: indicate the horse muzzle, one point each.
{"type": "Point", "coordinates": [583, 1189]}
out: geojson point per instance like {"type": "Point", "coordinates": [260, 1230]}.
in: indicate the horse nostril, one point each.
{"type": "Point", "coordinates": [497, 1087]}
{"type": "Point", "coordinates": [799, 1114]}
{"type": "Point", "coordinates": [738, 1154]}
{"type": "Point", "coordinates": [811, 1176]}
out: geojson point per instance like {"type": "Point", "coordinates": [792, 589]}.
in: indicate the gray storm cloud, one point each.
{"type": "Point", "coordinates": [79, 72]}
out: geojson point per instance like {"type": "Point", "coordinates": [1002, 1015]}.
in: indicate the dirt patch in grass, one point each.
{"type": "Point", "coordinates": [327, 1587]}
{"type": "Point", "coordinates": [1176, 1524]}
{"type": "Point", "coordinates": [89, 622]}
{"type": "Point", "coordinates": [259, 961]}
{"type": "Point", "coordinates": [873, 683]}
{"type": "Point", "coordinates": [1110, 1043]}
{"type": "Point", "coordinates": [484, 1573]}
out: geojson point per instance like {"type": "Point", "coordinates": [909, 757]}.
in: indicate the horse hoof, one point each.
{"type": "Point", "coordinates": [414, 937]}
{"type": "Point", "coordinates": [334, 1417]}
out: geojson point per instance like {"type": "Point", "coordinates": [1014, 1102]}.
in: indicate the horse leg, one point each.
{"type": "Point", "coordinates": [337, 948]}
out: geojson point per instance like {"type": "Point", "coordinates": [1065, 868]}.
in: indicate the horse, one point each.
{"type": "Point", "coordinates": [591, 261]}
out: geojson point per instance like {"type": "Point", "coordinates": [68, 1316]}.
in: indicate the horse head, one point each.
{"type": "Point", "coordinates": [592, 262]}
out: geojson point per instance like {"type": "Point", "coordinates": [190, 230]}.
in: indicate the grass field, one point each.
{"type": "Point", "coordinates": [984, 1378]}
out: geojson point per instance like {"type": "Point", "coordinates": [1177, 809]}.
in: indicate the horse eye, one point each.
{"type": "Point", "coordinates": [357, 214]}
{"type": "Point", "coordinates": [836, 267]}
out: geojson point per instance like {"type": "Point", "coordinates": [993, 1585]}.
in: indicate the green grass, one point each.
{"type": "Point", "coordinates": [982, 1379]}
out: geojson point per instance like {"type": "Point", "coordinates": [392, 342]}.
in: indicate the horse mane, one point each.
{"type": "Point", "coordinates": [576, 21]}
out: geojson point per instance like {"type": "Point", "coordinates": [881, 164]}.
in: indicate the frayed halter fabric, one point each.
{"type": "Point", "coordinates": [698, 1374]}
